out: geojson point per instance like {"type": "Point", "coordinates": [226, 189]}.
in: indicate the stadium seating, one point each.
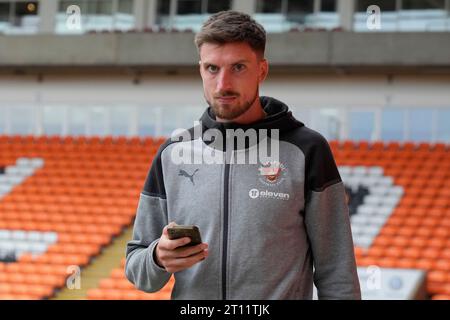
{"type": "Point", "coordinates": [414, 199]}
{"type": "Point", "coordinates": [65, 198]}
{"type": "Point", "coordinates": [61, 201]}
{"type": "Point", "coordinates": [117, 287]}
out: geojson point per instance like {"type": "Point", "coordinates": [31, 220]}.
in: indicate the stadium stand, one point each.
{"type": "Point", "coordinates": [411, 198]}
{"type": "Point", "coordinates": [118, 287]}
{"type": "Point", "coordinates": [63, 200]}
{"type": "Point", "coordinates": [64, 212]}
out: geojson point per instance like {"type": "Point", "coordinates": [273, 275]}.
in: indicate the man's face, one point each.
{"type": "Point", "coordinates": [231, 75]}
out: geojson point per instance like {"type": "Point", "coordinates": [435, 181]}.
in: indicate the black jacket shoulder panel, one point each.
{"type": "Point", "coordinates": [320, 167]}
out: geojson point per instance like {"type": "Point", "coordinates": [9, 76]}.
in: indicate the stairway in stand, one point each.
{"type": "Point", "coordinates": [99, 268]}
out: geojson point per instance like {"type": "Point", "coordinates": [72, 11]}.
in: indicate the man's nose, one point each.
{"type": "Point", "coordinates": [224, 82]}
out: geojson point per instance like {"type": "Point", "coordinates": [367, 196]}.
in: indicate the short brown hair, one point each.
{"type": "Point", "coordinates": [232, 26]}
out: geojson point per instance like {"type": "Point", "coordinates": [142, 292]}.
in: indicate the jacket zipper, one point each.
{"type": "Point", "coordinates": [225, 231]}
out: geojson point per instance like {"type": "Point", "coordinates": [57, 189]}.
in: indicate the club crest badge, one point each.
{"type": "Point", "coordinates": [272, 173]}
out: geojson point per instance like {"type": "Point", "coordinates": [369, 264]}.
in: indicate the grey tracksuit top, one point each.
{"type": "Point", "coordinates": [269, 237]}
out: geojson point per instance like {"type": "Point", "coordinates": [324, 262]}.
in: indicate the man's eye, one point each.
{"type": "Point", "coordinates": [239, 67]}
{"type": "Point", "coordinates": [212, 69]}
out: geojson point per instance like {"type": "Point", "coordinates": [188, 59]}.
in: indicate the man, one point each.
{"type": "Point", "coordinates": [270, 229]}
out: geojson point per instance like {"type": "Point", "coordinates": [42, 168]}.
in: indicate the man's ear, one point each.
{"type": "Point", "coordinates": [264, 70]}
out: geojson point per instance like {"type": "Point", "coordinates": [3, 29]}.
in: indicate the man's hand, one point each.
{"type": "Point", "coordinates": [170, 254]}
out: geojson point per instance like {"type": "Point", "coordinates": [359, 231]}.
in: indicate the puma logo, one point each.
{"type": "Point", "coordinates": [187, 175]}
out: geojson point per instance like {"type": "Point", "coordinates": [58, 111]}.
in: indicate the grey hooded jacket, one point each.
{"type": "Point", "coordinates": [269, 236]}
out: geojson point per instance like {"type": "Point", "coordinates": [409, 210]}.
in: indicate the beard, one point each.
{"type": "Point", "coordinates": [228, 111]}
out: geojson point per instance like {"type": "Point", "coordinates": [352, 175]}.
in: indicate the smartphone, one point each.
{"type": "Point", "coordinates": [180, 231]}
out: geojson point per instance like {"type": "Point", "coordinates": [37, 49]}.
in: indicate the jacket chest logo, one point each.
{"type": "Point", "coordinates": [272, 173]}
{"type": "Point", "coordinates": [183, 173]}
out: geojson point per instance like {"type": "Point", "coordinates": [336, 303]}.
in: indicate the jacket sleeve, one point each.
{"type": "Point", "coordinates": [141, 268]}
{"type": "Point", "coordinates": [328, 226]}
